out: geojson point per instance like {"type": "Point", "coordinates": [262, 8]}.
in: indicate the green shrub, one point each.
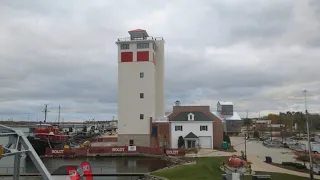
{"type": "Point", "coordinates": [180, 142]}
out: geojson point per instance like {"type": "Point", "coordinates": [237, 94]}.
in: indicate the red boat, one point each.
{"type": "Point", "coordinates": [47, 136]}
{"type": "Point", "coordinates": [51, 133]}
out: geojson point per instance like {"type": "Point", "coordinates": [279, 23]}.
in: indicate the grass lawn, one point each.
{"type": "Point", "coordinates": [208, 168]}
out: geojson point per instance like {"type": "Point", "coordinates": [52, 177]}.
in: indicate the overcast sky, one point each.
{"type": "Point", "coordinates": [258, 54]}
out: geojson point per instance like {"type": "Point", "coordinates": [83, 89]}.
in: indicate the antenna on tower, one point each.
{"type": "Point", "coordinates": [45, 112]}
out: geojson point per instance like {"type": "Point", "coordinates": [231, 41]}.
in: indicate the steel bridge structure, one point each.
{"type": "Point", "coordinates": [17, 145]}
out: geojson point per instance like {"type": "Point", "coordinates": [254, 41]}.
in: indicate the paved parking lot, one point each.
{"type": "Point", "coordinates": [255, 148]}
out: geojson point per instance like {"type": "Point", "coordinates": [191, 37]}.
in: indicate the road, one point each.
{"type": "Point", "coordinates": [255, 148]}
{"type": "Point", "coordinates": [256, 154]}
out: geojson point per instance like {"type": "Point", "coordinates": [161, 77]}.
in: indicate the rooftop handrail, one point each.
{"type": "Point", "coordinates": [140, 39]}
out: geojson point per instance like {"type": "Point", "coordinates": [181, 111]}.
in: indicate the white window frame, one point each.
{"type": "Point", "coordinates": [190, 117]}
{"type": "Point", "coordinates": [178, 128]}
{"type": "Point", "coordinates": [203, 128]}
{"type": "Point", "coordinates": [143, 45]}
{"type": "Point", "coordinates": [124, 46]}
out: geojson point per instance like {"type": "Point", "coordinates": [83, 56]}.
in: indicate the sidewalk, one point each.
{"type": "Point", "coordinates": [257, 164]}
{"type": "Point", "coordinates": [210, 153]}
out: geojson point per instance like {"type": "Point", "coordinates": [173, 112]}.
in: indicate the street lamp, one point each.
{"type": "Point", "coordinates": [308, 135]}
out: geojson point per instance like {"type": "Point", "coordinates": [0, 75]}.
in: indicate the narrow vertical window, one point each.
{"type": "Point", "coordinates": [141, 75]}
{"type": "Point", "coordinates": [141, 95]}
{"type": "Point", "coordinates": [141, 116]}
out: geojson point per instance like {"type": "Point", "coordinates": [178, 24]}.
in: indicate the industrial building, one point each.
{"type": "Point", "coordinates": [232, 120]}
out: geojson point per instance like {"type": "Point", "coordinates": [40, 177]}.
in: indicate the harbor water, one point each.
{"type": "Point", "coordinates": [99, 164]}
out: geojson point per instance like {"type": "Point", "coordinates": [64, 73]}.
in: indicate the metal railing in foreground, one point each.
{"type": "Point", "coordinates": [97, 175]}
{"type": "Point", "coordinates": [17, 142]}
{"type": "Point", "coordinates": [95, 169]}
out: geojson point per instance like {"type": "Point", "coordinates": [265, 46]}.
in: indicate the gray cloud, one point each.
{"type": "Point", "coordinates": [64, 53]}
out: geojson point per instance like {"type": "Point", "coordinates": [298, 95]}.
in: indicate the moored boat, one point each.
{"type": "Point", "coordinates": [47, 136]}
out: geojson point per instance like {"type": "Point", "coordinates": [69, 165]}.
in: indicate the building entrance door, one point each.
{"type": "Point", "coordinates": [191, 143]}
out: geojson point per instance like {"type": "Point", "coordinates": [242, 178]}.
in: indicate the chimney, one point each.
{"type": "Point", "coordinates": [177, 103]}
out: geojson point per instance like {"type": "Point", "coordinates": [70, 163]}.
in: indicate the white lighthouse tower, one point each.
{"type": "Point", "coordinates": [140, 86]}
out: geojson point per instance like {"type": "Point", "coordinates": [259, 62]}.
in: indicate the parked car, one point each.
{"type": "Point", "coordinates": [289, 142]}
{"type": "Point", "coordinates": [264, 138]}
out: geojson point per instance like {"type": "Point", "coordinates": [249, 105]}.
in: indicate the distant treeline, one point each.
{"type": "Point", "coordinates": [290, 118]}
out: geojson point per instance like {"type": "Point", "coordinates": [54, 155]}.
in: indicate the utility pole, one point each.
{"type": "Point", "coordinates": [308, 135]}
{"type": "Point", "coordinates": [270, 128]}
{"type": "Point", "coordinates": [247, 123]}
{"type": "Point", "coordinates": [45, 112]}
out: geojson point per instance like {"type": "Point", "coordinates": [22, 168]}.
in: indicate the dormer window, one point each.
{"type": "Point", "coordinates": [190, 117]}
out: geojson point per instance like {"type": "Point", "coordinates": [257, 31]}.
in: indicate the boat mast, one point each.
{"type": "Point", "coordinates": [59, 117]}
{"type": "Point", "coordinates": [45, 112]}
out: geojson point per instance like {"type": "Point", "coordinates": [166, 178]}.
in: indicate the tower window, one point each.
{"type": "Point", "coordinates": [124, 46]}
{"type": "Point", "coordinates": [141, 116]}
{"type": "Point", "coordinates": [141, 95]}
{"type": "Point", "coordinates": [142, 45]}
{"type": "Point", "coordinates": [141, 75]}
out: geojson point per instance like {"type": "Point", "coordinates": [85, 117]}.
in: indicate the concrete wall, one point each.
{"type": "Point", "coordinates": [139, 139]}
{"type": "Point", "coordinates": [130, 106]}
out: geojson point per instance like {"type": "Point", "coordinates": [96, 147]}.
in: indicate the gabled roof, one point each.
{"type": "Point", "coordinates": [198, 116]}
{"type": "Point", "coordinates": [192, 109]}
{"type": "Point", "coordinates": [138, 31]}
{"type": "Point", "coordinates": [191, 135]}
{"type": "Point", "coordinates": [225, 103]}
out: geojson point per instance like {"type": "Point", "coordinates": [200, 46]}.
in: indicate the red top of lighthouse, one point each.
{"type": "Point", "coordinates": [138, 32]}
